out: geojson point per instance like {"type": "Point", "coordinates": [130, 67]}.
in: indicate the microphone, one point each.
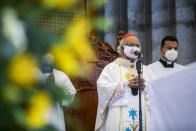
{"type": "Point", "coordinates": [137, 53]}
{"type": "Point", "coordinates": [138, 67]}
{"type": "Point", "coordinates": [135, 90]}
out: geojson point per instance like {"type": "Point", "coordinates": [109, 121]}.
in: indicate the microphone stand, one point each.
{"type": "Point", "coordinates": [139, 72]}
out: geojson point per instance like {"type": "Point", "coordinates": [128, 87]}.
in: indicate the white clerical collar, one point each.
{"type": "Point", "coordinates": [168, 62]}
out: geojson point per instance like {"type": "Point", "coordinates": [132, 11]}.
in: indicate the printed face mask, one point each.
{"type": "Point", "coordinates": [129, 51]}
{"type": "Point", "coordinates": [171, 54]}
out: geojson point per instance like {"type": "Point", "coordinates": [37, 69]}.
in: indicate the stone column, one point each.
{"type": "Point", "coordinates": [148, 32]}
{"type": "Point", "coordinates": [139, 23]}
{"type": "Point", "coordinates": [111, 14]}
{"type": "Point", "coordinates": [115, 10]}
{"type": "Point", "coordinates": [163, 23]}
{"type": "Point", "coordinates": [186, 30]}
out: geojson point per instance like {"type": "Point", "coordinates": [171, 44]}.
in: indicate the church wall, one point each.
{"type": "Point", "coordinates": [151, 20]}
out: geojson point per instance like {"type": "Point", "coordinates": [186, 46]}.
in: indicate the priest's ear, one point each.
{"type": "Point", "coordinates": [122, 48]}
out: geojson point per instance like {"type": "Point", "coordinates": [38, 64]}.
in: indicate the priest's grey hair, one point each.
{"type": "Point", "coordinates": [119, 48]}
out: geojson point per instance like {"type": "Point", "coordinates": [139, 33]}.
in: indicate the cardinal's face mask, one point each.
{"type": "Point", "coordinates": [129, 51]}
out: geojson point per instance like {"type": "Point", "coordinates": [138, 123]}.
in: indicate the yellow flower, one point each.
{"type": "Point", "coordinates": [38, 109]}
{"type": "Point", "coordinates": [22, 70]}
{"type": "Point", "coordinates": [59, 4]}
{"type": "Point", "coordinates": [77, 30]}
{"type": "Point", "coordinates": [72, 54]}
{"type": "Point", "coordinates": [76, 37]}
{"type": "Point", "coordinates": [83, 50]}
{"type": "Point", "coordinates": [65, 60]}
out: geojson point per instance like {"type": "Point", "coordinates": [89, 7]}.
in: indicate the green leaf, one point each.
{"type": "Point", "coordinates": [103, 24]}
{"type": "Point", "coordinates": [19, 116]}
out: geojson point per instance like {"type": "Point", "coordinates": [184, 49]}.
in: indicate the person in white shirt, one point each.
{"type": "Point", "coordinates": [56, 117]}
{"type": "Point", "coordinates": [169, 52]}
{"type": "Point", "coordinates": [50, 74]}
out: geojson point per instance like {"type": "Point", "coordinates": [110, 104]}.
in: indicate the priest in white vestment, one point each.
{"type": "Point", "coordinates": [169, 53]}
{"type": "Point", "coordinates": [118, 106]}
{"type": "Point", "coordinates": [56, 116]}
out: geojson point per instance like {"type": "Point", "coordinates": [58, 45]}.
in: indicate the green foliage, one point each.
{"type": "Point", "coordinates": [23, 42]}
{"type": "Point", "coordinates": [19, 35]}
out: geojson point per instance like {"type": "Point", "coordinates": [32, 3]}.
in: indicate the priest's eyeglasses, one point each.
{"type": "Point", "coordinates": [134, 44]}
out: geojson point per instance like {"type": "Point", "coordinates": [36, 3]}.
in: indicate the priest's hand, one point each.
{"type": "Point", "coordinates": [134, 83]}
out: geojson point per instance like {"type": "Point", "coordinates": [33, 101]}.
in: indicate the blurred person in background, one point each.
{"type": "Point", "coordinates": [52, 75]}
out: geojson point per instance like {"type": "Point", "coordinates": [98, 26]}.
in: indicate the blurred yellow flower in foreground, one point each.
{"type": "Point", "coordinates": [59, 4]}
{"type": "Point", "coordinates": [65, 60]}
{"type": "Point", "coordinates": [77, 30]}
{"type": "Point", "coordinates": [22, 70]}
{"type": "Point", "coordinates": [72, 54]}
{"type": "Point", "coordinates": [38, 109]}
{"type": "Point", "coordinates": [77, 39]}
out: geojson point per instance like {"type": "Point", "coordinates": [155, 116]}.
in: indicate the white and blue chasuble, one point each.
{"type": "Point", "coordinates": [118, 109]}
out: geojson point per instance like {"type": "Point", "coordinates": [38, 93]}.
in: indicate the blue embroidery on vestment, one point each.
{"type": "Point", "coordinates": [132, 113]}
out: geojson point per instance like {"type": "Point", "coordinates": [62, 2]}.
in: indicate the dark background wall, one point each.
{"type": "Point", "coordinates": [151, 20]}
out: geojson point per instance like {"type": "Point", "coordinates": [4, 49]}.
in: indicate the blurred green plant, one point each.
{"type": "Point", "coordinates": [24, 98]}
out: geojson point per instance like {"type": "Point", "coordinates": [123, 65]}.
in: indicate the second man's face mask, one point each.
{"type": "Point", "coordinates": [171, 54]}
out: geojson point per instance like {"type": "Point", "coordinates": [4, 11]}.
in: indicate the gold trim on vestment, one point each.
{"type": "Point", "coordinates": [144, 111]}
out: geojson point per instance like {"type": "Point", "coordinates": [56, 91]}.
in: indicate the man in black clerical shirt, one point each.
{"type": "Point", "coordinates": [169, 53]}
